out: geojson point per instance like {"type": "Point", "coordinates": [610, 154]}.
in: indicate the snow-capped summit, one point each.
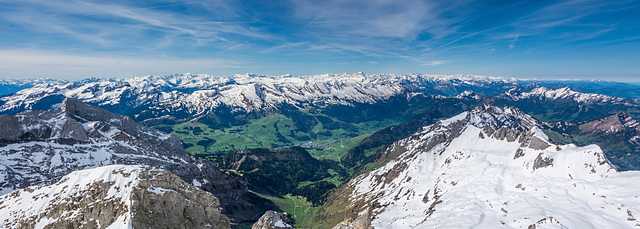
{"type": "Point", "coordinates": [115, 196]}
{"type": "Point", "coordinates": [544, 93]}
{"type": "Point", "coordinates": [8, 86]}
{"type": "Point", "coordinates": [470, 95]}
{"type": "Point", "coordinates": [490, 167]}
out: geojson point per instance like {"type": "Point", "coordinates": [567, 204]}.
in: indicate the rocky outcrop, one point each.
{"type": "Point", "coordinates": [11, 128]}
{"type": "Point", "coordinates": [39, 147]}
{"type": "Point", "coordinates": [274, 220]}
{"type": "Point", "coordinates": [77, 109]}
{"type": "Point", "coordinates": [617, 134]}
{"type": "Point", "coordinates": [163, 200]}
{"type": "Point", "coordinates": [609, 124]}
{"type": "Point", "coordinates": [363, 221]}
{"type": "Point", "coordinates": [115, 196]}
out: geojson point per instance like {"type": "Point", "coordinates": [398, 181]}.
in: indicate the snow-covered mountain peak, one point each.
{"type": "Point", "coordinates": [497, 122]}
{"type": "Point", "coordinates": [115, 196]}
{"type": "Point", "coordinates": [470, 95]}
{"type": "Point", "coordinates": [499, 117]}
{"type": "Point", "coordinates": [490, 167]}
{"type": "Point", "coordinates": [567, 93]}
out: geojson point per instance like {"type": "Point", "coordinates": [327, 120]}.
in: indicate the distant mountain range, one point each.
{"type": "Point", "coordinates": [314, 110]}
{"type": "Point", "coordinates": [179, 97]}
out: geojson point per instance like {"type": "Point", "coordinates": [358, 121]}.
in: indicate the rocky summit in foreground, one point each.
{"type": "Point", "coordinates": [115, 196]}
{"type": "Point", "coordinates": [39, 147]}
{"type": "Point", "coordinates": [491, 167]}
{"type": "Point", "coordinates": [274, 220]}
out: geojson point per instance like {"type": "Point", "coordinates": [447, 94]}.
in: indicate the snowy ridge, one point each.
{"type": "Point", "coordinates": [492, 167]}
{"type": "Point", "coordinates": [39, 147]}
{"type": "Point", "coordinates": [31, 81]}
{"type": "Point", "coordinates": [8, 86]}
{"type": "Point", "coordinates": [104, 197]}
{"type": "Point", "coordinates": [566, 93]}
{"type": "Point", "coordinates": [45, 145]}
{"type": "Point", "coordinates": [198, 93]}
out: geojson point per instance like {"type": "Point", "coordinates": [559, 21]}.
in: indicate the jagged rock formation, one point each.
{"type": "Point", "coordinates": [604, 125]}
{"type": "Point", "coordinates": [115, 196]}
{"type": "Point", "coordinates": [488, 167]}
{"type": "Point", "coordinates": [274, 220]}
{"type": "Point", "coordinates": [39, 147]}
{"type": "Point", "coordinates": [609, 124]}
{"type": "Point", "coordinates": [618, 135]}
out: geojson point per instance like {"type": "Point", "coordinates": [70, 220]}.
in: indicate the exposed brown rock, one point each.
{"type": "Point", "coordinates": [274, 220]}
{"type": "Point", "coordinates": [184, 206]}
{"type": "Point", "coordinates": [542, 161]}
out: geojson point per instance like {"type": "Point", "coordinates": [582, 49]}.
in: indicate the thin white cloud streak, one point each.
{"type": "Point", "coordinates": [542, 22]}
{"type": "Point", "coordinates": [564, 14]}
{"type": "Point", "coordinates": [513, 43]}
{"type": "Point", "coordinates": [434, 63]}
{"type": "Point", "coordinates": [44, 64]}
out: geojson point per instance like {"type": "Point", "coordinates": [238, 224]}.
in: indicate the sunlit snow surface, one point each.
{"type": "Point", "coordinates": [567, 93]}
{"type": "Point", "coordinates": [477, 181]}
{"type": "Point", "coordinates": [36, 201]}
{"type": "Point", "coordinates": [199, 92]}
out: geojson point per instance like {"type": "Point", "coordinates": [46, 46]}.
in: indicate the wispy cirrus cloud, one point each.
{"type": "Point", "coordinates": [381, 26]}
{"type": "Point", "coordinates": [110, 24]}
{"type": "Point", "coordinates": [434, 63]}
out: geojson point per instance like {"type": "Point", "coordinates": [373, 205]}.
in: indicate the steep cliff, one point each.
{"type": "Point", "coordinates": [115, 196]}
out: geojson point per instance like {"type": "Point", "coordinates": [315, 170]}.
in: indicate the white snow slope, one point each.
{"type": "Point", "coordinates": [34, 203]}
{"type": "Point", "coordinates": [544, 93]}
{"type": "Point", "coordinates": [493, 168]}
{"type": "Point", "coordinates": [102, 197]}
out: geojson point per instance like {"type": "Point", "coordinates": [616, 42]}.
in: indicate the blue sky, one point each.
{"type": "Point", "coordinates": [578, 39]}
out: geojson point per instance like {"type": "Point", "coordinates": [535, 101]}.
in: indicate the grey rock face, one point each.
{"type": "Point", "coordinates": [542, 161]}
{"type": "Point", "coordinates": [77, 109]}
{"type": "Point", "coordinates": [361, 222]}
{"type": "Point", "coordinates": [274, 220]}
{"type": "Point", "coordinates": [185, 207]}
{"type": "Point", "coordinates": [39, 147]}
{"type": "Point", "coordinates": [113, 196]}
{"type": "Point", "coordinates": [10, 128]}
